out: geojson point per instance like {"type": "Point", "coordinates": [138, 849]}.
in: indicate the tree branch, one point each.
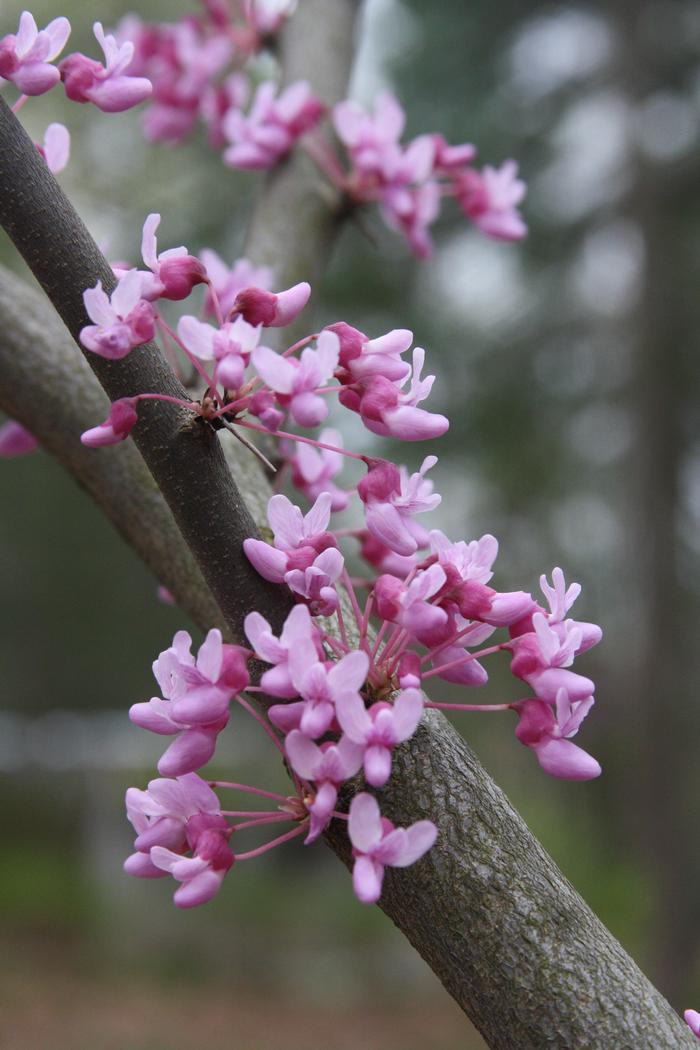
{"type": "Point", "coordinates": [487, 908]}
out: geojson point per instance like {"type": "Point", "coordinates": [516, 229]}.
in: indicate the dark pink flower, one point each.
{"type": "Point", "coordinates": [108, 87]}
{"type": "Point", "coordinates": [391, 499]}
{"type": "Point", "coordinates": [121, 420]}
{"type": "Point", "coordinates": [546, 729]}
{"type": "Point", "coordinates": [257, 306]}
{"type": "Point", "coordinates": [202, 874]}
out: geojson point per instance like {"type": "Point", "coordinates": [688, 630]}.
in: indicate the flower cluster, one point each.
{"type": "Point", "coordinates": [409, 181]}
{"type": "Point", "coordinates": [340, 697]}
{"type": "Point", "coordinates": [346, 679]}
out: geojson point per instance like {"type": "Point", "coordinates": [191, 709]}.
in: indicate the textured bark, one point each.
{"type": "Point", "coordinates": [487, 908]}
{"type": "Point", "coordinates": [181, 452]}
{"type": "Point", "coordinates": [50, 389]}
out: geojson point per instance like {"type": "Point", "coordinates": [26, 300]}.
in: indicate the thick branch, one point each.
{"type": "Point", "coordinates": [487, 908]}
{"type": "Point", "coordinates": [182, 453]}
{"type": "Point", "coordinates": [50, 389]}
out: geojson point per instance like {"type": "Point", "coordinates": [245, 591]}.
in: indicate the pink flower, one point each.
{"type": "Point", "coordinates": [201, 691]}
{"type": "Point", "coordinates": [316, 583]}
{"type": "Point", "coordinates": [540, 659]}
{"type": "Point", "coordinates": [15, 440]}
{"type": "Point", "coordinates": [230, 346]}
{"type": "Point", "coordinates": [468, 568]}
{"type": "Point", "coordinates": [108, 87]}
{"type": "Point", "coordinates": [55, 148]}
{"type": "Point", "coordinates": [258, 306]}
{"type": "Point", "coordinates": [380, 728]}
{"type": "Point", "coordinates": [373, 144]}
{"type": "Point", "coordinates": [25, 57]}
{"type": "Point", "coordinates": [321, 685]}
{"type": "Point", "coordinates": [391, 499]}
{"type": "Point", "coordinates": [313, 469]}
{"type": "Point", "coordinates": [121, 420]}
{"type": "Point", "coordinates": [470, 561]}
{"type": "Point", "coordinates": [450, 159]}
{"type": "Point", "coordinates": [547, 731]}
{"type": "Point", "coordinates": [304, 555]}
{"type": "Point", "coordinates": [201, 875]}
{"type": "Point", "coordinates": [389, 412]}
{"type": "Point", "coordinates": [412, 211]}
{"type": "Point", "coordinates": [295, 381]}
{"type": "Point", "coordinates": [160, 814]}
{"type": "Point", "coordinates": [490, 198]}
{"type": "Point", "coordinates": [692, 1019]}
{"type": "Point", "coordinates": [123, 321]}
{"type": "Point", "coordinates": [298, 629]}
{"type": "Point", "coordinates": [378, 844]}
{"type": "Point", "coordinates": [327, 767]}
{"type": "Point", "coordinates": [197, 696]}
{"type": "Point", "coordinates": [174, 272]}
{"type": "Point", "coordinates": [271, 127]}
{"type": "Point", "coordinates": [227, 283]}
{"type": "Point", "coordinates": [409, 605]}
{"type": "Point", "coordinates": [361, 358]}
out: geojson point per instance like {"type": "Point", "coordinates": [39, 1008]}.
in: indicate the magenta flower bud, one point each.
{"type": "Point", "coordinates": [117, 427]}
{"type": "Point", "coordinates": [260, 307]}
{"type": "Point", "coordinates": [15, 440]}
{"type": "Point", "coordinates": [180, 275]}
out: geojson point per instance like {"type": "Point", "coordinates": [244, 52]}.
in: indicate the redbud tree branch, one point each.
{"type": "Point", "coordinates": [487, 908]}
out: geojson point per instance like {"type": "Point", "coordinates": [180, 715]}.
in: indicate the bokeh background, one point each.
{"type": "Point", "coordinates": [567, 367]}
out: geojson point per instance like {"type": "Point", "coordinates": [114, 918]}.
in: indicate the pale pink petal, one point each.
{"type": "Point", "coordinates": [367, 877]}
{"type": "Point", "coordinates": [365, 822]}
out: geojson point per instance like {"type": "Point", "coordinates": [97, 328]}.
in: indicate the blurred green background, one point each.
{"type": "Point", "coordinates": [567, 367]}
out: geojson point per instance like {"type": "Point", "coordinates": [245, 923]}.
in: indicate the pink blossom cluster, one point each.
{"type": "Point", "coordinates": [27, 57]}
{"type": "Point", "coordinates": [203, 67]}
{"type": "Point", "coordinates": [340, 696]}
{"type": "Point", "coordinates": [27, 60]}
{"type": "Point", "coordinates": [409, 181]}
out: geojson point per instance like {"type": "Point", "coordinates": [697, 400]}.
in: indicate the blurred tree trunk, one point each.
{"type": "Point", "coordinates": [660, 674]}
